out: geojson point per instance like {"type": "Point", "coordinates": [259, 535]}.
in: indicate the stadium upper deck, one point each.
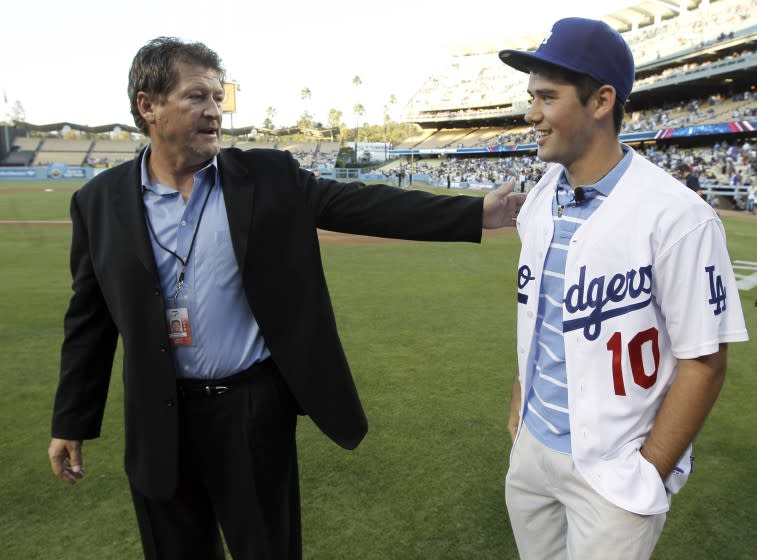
{"type": "Point", "coordinates": [693, 47]}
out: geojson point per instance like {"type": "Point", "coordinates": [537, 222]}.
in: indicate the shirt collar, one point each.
{"type": "Point", "coordinates": [157, 188]}
{"type": "Point", "coordinates": [607, 183]}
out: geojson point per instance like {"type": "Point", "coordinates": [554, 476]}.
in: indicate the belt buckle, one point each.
{"type": "Point", "coordinates": [214, 390]}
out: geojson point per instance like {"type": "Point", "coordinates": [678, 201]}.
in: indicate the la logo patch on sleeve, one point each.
{"type": "Point", "coordinates": [717, 290]}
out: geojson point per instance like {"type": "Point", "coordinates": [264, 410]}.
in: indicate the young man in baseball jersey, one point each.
{"type": "Point", "coordinates": [626, 303]}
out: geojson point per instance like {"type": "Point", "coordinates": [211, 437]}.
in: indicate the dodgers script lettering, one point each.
{"type": "Point", "coordinates": [597, 292]}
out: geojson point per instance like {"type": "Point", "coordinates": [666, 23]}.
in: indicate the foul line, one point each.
{"type": "Point", "coordinates": [745, 281]}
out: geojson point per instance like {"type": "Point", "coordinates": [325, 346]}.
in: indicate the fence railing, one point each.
{"type": "Point", "coordinates": [735, 195]}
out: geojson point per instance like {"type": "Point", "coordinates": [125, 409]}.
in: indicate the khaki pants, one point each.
{"type": "Point", "coordinates": [556, 515]}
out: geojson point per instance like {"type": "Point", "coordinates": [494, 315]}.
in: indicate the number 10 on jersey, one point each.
{"type": "Point", "coordinates": [635, 348]}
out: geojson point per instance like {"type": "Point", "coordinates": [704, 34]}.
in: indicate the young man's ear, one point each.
{"type": "Point", "coordinates": [604, 98]}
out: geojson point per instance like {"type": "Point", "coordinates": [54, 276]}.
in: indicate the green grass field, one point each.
{"type": "Point", "coordinates": [429, 331]}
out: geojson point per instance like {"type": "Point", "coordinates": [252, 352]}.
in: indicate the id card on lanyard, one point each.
{"type": "Point", "coordinates": [177, 307]}
{"type": "Point", "coordinates": [177, 316]}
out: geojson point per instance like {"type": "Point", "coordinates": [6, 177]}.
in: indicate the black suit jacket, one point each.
{"type": "Point", "coordinates": [273, 208]}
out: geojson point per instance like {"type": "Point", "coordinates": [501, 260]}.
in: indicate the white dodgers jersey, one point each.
{"type": "Point", "coordinates": [648, 281]}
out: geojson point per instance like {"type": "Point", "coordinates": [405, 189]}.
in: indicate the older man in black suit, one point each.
{"type": "Point", "coordinates": [224, 242]}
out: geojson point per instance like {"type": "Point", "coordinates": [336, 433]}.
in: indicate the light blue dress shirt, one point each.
{"type": "Point", "coordinates": [546, 413]}
{"type": "Point", "coordinates": [226, 337]}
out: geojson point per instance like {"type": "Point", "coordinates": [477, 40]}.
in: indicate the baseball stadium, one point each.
{"type": "Point", "coordinates": [429, 328]}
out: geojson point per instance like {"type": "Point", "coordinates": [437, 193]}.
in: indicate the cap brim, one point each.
{"type": "Point", "coordinates": [524, 61]}
{"type": "Point", "coordinates": [520, 60]}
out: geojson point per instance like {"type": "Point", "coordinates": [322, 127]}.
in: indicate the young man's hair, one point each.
{"type": "Point", "coordinates": [585, 86]}
{"type": "Point", "coordinates": [154, 71]}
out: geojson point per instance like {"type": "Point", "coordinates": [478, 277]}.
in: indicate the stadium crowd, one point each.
{"type": "Point", "coordinates": [721, 163]}
{"type": "Point", "coordinates": [475, 83]}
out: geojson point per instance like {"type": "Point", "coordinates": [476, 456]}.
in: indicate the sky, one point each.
{"type": "Point", "coordinates": [69, 61]}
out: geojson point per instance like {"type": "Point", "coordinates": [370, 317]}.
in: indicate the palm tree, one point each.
{"type": "Point", "coordinates": [17, 113]}
{"type": "Point", "coordinates": [387, 119]}
{"type": "Point", "coordinates": [306, 120]}
{"type": "Point", "coordinates": [357, 82]}
{"type": "Point", "coordinates": [359, 111]}
{"type": "Point", "coordinates": [305, 95]}
{"type": "Point", "coordinates": [268, 122]}
{"type": "Point", "coordinates": [270, 113]}
{"type": "Point", "coordinates": [335, 119]}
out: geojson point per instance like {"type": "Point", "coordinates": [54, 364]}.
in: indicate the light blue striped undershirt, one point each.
{"type": "Point", "coordinates": [546, 413]}
{"type": "Point", "coordinates": [226, 337]}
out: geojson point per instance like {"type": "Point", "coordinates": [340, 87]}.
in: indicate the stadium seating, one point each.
{"type": "Point", "coordinates": [247, 145]}
{"type": "Point", "coordinates": [27, 143]}
{"type": "Point", "coordinates": [60, 150]}
{"type": "Point", "coordinates": [445, 138]}
{"type": "Point", "coordinates": [68, 158]}
{"type": "Point", "coordinates": [416, 139]}
{"type": "Point", "coordinates": [106, 152]}
{"type": "Point", "coordinates": [709, 110]}
{"type": "Point", "coordinates": [482, 136]}
{"type": "Point", "coordinates": [477, 84]}
{"type": "Point", "coordinates": [22, 152]}
{"type": "Point", "coordinates": [19, 158]}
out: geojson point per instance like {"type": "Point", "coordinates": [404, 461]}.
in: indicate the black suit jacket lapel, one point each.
{"type": "Point", "coordinates": [128, 207]}
{"type": "Point", "coordinates": [238, 191]}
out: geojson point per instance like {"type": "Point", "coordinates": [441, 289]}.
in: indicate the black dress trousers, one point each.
{"type": "Point", "coordinates": [238, 471]}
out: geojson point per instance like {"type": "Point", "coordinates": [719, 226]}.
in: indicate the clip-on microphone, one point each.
{"type": "Point", "coordinates": [578, 195]}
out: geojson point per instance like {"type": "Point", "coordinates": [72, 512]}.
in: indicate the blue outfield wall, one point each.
{"type": "Point", "coordinates": [719, 129]}
{"type": "Point", "coordinates": [53, 171]}
{"type": "Point", "coordinates": [57, 171]}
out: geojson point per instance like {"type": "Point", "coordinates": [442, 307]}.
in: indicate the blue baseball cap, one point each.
{"type": "Point", "coordinates": [586, 46]}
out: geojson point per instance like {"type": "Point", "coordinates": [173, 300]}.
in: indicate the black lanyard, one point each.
{"type": "Point", "coordinates": [560, 207]}
{"type": "Point", "coordinates": [184, 262]}
{"type": "Point", "coordinates": [579, 195]}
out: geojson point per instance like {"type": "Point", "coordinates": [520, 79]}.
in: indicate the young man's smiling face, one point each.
{"type": "Point", "coordinates": [563, 127]}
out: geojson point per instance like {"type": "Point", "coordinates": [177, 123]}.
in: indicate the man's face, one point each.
{"type": "Point", "coordinates": [563, 127]}
{"type": "Point", "coordinates": [187, 120]}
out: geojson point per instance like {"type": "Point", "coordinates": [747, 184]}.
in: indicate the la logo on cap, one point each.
{"type": "Point", "coordinates": [544, 42]}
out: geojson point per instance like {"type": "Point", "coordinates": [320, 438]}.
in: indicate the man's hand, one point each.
{"type": "Point", "coordinates": [683, 411]}
{"type": "Point", "coordinates": [501, 206]}
{"type": "Point", "coordinates": [65, 459]}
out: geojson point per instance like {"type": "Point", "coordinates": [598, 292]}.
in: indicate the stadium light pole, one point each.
{"type": "Point", "coordinates": [229, 104]}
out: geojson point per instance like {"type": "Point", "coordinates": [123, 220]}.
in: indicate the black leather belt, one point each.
{"type": "Point", "coordinates": [209, 388]}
